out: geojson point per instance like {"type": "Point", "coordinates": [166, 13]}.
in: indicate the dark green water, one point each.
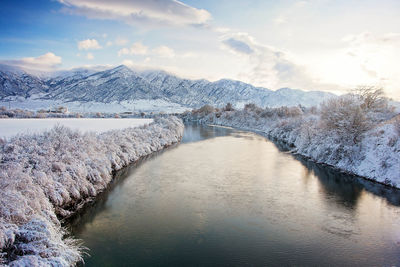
{"type": "Point", "coordinates": [230, 198]}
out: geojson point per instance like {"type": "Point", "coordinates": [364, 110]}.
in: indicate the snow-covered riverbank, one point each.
{"type": "Point", "coordinates": [373, 154]}
{"type": "Point", "coordinates": [46, 177]}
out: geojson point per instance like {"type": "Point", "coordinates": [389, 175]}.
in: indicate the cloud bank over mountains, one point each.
{"type": "Point", "coordinates": [46, 62]}
{"type": "Point", "coordinates": [269, 65]}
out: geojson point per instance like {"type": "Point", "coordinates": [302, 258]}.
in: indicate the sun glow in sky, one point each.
{"type": "Point", "coordinates": [331, 45]}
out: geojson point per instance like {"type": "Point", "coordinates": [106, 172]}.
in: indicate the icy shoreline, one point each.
{"type": "Point", "coordinates": [46, 177]}
{"type": "Point", "coordinates": [375, 158]}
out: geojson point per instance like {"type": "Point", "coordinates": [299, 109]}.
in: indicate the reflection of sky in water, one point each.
{"type": "Point", "coordinates": [229, 197]}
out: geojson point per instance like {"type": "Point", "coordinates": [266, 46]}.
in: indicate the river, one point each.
{"type": "Point", "coordinates": [225, 197]}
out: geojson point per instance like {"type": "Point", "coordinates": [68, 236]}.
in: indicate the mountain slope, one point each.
{"type": "Point", "coordinates": [122, 84]}
{"type": "Point", "coordinates": [114, 85]}
{"type": "Point", "coordinates": [16, 82]}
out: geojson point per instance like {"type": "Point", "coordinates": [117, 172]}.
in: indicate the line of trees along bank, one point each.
{"type": "Point", "coordinates": [357, 132]}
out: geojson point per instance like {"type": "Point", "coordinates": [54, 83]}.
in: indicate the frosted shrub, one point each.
{"type": "Point", "coordinates": [372, 97]}
{"type": "Point", "coordinates": [52, 174]}
{"type": "Point", "coordinates": [344, 116]}
{"type": "Point", "coordinates": [228, 107]}
{"type": "Point", "coordinates": [206, 109]}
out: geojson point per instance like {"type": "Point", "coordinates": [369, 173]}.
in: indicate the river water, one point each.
{"type": "Point", "coordinates": [225, 197]}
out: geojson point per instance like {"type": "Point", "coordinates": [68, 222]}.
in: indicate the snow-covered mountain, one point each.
{"type": "Point", "coordinates": [15, 82]}
{"type": "Point", "coordinates": [121, 84]}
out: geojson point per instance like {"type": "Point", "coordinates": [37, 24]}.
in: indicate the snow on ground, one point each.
{"type": "Point", "coordinates": [48, 176]}
{"type": "Point", "coordinates": [11, 127]}
{"type": "Point", "coordinates": [140, 105]}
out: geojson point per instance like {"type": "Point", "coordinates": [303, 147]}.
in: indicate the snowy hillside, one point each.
{"type": "Point", "coordinates": [17, 83]}
{"type": "Point", "coordinates": [123, 85]}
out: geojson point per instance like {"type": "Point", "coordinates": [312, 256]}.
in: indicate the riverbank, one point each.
{"type": "Point", "coordinates": [375, 156]}
{"type": "Point", "coordinates": [47, 177]}
{"type": "Point", "coordinates": [226, 197]}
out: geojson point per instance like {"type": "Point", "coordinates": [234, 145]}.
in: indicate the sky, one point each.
{"type": "Point", "coordinates": [327, 45]}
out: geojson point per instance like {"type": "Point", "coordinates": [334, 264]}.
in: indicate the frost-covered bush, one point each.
{"type": "Point", "coordinates": [345, 117]}
{"type": "Point", "coordinates": [343, 132]}
{"type": "Point", "coordinates": [46, 177]}
{"type": "Point", "coordinates": [205, 110]}
{"type": "Point", "coordinates": [373, 98]}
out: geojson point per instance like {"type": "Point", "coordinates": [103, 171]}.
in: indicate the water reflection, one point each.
{"type": "Point", "coordinates": [227, 197]}
{"type": "Point", "coordinates": [195, 132]}
{"type": "Point", "coordinates": [350, 187]}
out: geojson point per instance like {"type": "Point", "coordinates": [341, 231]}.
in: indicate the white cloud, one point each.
{"type": "Point", "coordinates": [118, 42]}
{"type": "Point", "coordinates": [164, 51]}
{"type": "Point", "coordinates": [366, 59]}
{"type": "Point", "coordinates": [139, 12]}
{"type": "Point", "coordinates": [88, 44]}
{"type": "Point", "coordinates": [280, 20]}
{"type": "Point", "coordinates": [289, 12]}
{"type": "Point", "coordinates": [46, 62]}
{"type": "Point", "coordinates": [128, 62]}
{"type": "Point", "coordinates": [141, 66]}
{"type": "Point", "coordinates": [139, 49]}
{"type": "Point", "coordinates": [124, 51]}
{"type": "Point", "coordinates": [363, 59]}
{"type": "Point", "coordinates": [89, 56]}
{"type": "Point", "coordinates": [267, 66]}
{"type": "Point", "coordinates": [144, 65]}
{"type": "Point", "coordinates": [136, 49]}
{"type": "Point", "coordinates": [238, 46]}
{"type": "Point", "coordinates": [370, 38]}
{"type": "Point", "coordinates": [121, 41]}
{"type": "Point", "coordinates": [221, 29]}
{"type": "Point", "coordinates": [189, 55]}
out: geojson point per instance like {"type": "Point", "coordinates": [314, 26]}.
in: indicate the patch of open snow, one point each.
{"type": "Point", "coordinates": [10, 127]}
{"type": "Point", "coordinates": [139, 105]}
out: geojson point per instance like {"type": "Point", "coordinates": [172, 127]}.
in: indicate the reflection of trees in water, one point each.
{"type": "Point", "coordinates": [196, 132]}
{"type": "Point", "coordinates": [193, 132]}
{"type": "Point", "coordinates": [345, 186]}
{"type": "Point", "coordinates": [88, 213]}
{"type": "Point", "coordinates": [342, 186]}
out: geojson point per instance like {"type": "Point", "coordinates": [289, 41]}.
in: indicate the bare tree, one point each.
{"type": "Point", "coordinates": [344, 116]}
{"type": "Point", "coordinates": [206, 109]}
{"type": "Point", "coordinates": [228, 107]}
{"type": "Point", "coordinates": [373, 97]}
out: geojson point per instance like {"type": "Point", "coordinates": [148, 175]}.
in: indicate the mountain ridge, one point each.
{"type": "Point", "coordinates": [118, 84]}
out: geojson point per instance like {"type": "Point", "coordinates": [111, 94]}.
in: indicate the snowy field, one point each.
{"type": "Point", "coordinates": [10, 127]}
{"type": "Point", "coordinates": [139, 105]}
